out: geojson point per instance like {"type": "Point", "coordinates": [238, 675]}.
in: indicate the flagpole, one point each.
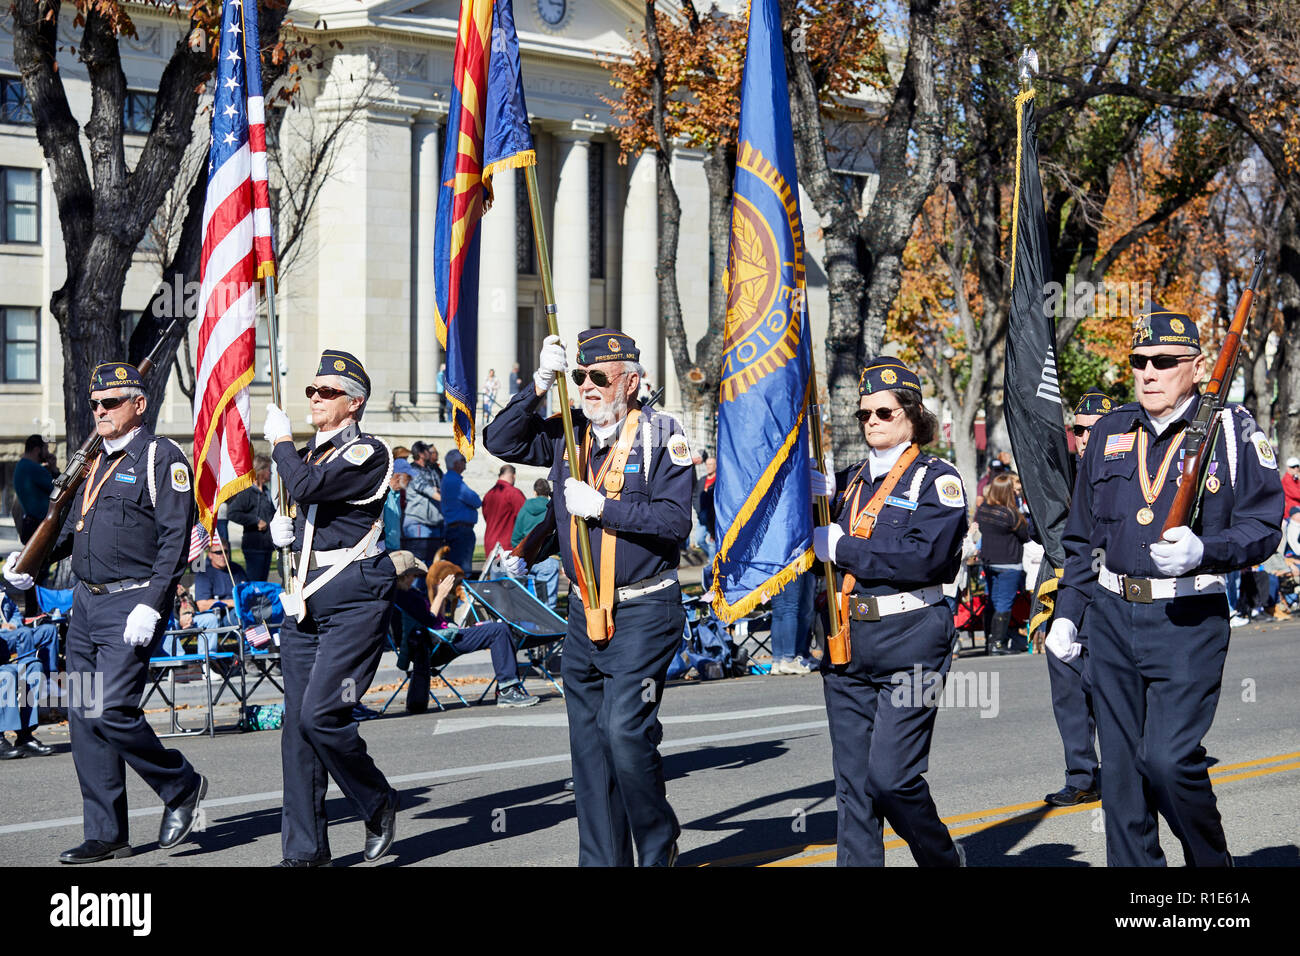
{"type": "Point", "coordinates": [834, 647]}
{"type": "Point", "coordinates": [585, 566]}
{"type": "Point", "coordinates": [282, 506]}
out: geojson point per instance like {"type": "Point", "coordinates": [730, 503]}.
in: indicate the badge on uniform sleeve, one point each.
{"type": "Point", "coordinates": [678, 450]}
{"type": "Point", "coordinates": [1264, 450]}
{"type": "Point", "coordinates": [180, 477]}
{"type": "Point", "coordinates": [949, 489]}
{"type": "Point", "coordinates": [358, 453]}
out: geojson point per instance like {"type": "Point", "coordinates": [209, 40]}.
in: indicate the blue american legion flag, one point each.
{"type": "Point", "coordinates": [762, 496]}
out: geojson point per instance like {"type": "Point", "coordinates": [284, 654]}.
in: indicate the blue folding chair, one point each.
{"type": "Point", "coordinates": [257, 603]}
{"type": "Point", "coordinates": [537, 630]}
{"type": "Point", "coordinates": [163, 667]}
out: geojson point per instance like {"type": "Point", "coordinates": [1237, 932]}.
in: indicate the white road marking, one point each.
{"type": "Point", "coordinates": [451, 725]}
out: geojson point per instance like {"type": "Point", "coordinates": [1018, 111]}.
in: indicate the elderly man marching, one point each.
{"type": "Point", "coordinates": [337, 614]}
{"type": "Point", "coordinates": [633, 486]}
{"type": "Point", "coordinates": [129, 535]}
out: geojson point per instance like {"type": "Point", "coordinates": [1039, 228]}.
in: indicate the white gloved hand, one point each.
{"type": "Point", "coordinates": [822, 485]}
{"type": "Point", "coordinates": [140, 625]}
{"type": "Point", "coordinates": [515, 566]}
{"type": "Point", "coordinates": [1061, 640]}
{"type": "Point", "coordinates": [23, 582]}
{"type": "Point", "coordinates": [551, 362]}
{"type": "Point", "coordinates": [582, 500]}
{"type": "Point", "coordinates": [282, 531]}
{"type": "Point", "coordinates": [1178, 552]}
{"type": "Point", "coordinates": [277, 424]}
{"type": "Point", "coordinates": [825, 539]}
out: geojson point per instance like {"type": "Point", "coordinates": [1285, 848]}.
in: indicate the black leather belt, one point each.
{"type": "Point", "coordinates": [112, 587]}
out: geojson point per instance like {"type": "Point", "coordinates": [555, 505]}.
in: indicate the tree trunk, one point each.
{"type": "Point", "coordinates": [1288, 351]}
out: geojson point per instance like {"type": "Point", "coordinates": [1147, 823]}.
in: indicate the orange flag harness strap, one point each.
{"type": "Point", "coordinates": [862, 521]}
{"type": "Point", "coordinates": [600, 616]}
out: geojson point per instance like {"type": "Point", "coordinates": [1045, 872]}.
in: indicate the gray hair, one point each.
{"type": "Point", "coordinates": [630, 367]}
{"type": "Point", "coordinates": [131, 391]}
{"type": "Point", "coordinates": [354, 389]}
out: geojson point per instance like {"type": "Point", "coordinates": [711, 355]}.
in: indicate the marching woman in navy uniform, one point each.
{"type": "Point", "coordinates": [1157, 609]}
{"type": "Point", "coordinates": [335, 620]}
{"type": "Point", "coordinates": [897, 541]}
{"type": "Point", "coordinates": [129, 536]}
{"type": "Point", "coordinates": [636, 495]}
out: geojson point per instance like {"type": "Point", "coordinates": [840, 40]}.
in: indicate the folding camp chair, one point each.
{"type": "Point", "coordinates": [259, 628]}
{"type": "Point", "coordinates": [536, 629]}
{"type": "Point", "coordinates": [440, 655]}
{"type": "Point", "coordinates": [164, 667]}
{"type": "Point", "coordinates": [749, 630]}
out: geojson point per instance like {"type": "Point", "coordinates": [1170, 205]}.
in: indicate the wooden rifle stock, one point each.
{"type": "Point", "coordinates": [1201, 434]}
{"type": "Point", "coordinates": [36, 551]}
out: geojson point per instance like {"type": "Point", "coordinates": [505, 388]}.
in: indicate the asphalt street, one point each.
{"type": "Point", "coordinates": [748, 765]}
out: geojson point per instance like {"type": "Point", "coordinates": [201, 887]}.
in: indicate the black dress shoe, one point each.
{"type": "Point", "coordinates": [324, 861]}
{"type": "Point", "coordinates": [381, 830]}
{"type": "Point", "coordinates": [568, 785]}
{"type": "Point", "coordinates": [178, 821]}
{"type": "Point", "coordinates": [33, 747]}
{"type": "Point", "coordinates": [92, 851]}
{"type": "Point", "coordinates": [1069, 796]}
{"type": "Point", "coordinates": [9, 752]}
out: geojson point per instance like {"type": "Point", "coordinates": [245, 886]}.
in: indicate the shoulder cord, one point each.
{"type": "Point", "coordinates": [915, 488]}
{"type": "Point", "coordinates": [153, 487]}
{"type": "Point", "coordinates": [1230, 439]}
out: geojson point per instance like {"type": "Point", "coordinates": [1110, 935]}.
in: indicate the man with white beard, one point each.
{"type": "Point", "coordinates": [633, 487]}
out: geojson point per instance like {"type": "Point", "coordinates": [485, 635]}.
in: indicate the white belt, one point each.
{"type": "Point", "coordinates": [642, 588]}
{"type": "Point", "coordinates": [869, 607]}
{"type": "Point", "coordinates": [1146, 590]}
{"type": "Point", "coordinates": [324, 559]}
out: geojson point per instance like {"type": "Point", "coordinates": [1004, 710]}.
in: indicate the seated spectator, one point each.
{"type": "Point", "coordinates": [444, 584]}
{"type": "Point", "coordinates": [544, 574]}
{"type": "Point", "coordinates": [1004, 529]}
{"type": "Point", "coordinates": [214, 592]}
{"type": "Point", "coordinates": [27, 656]}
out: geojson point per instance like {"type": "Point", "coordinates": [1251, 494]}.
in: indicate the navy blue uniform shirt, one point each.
{"type": "Point", "coordinates": [653, 514]}
{"type": "Point", "coordinates": [125, 536]}
{"type": "Point", "coordinates": [315, 476]}
{"type": "Point", "coordinates": [915, 543]}
{"type": "Point", "coordinates": [1237, 524]}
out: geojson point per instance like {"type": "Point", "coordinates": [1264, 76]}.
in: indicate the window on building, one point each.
{"type": "Point", "coordinates": [137, 111]}
{"type": "Point", "coordinates": [20, 197]}
{"type": "Point", "coordinates": [596, 209]}
{"type": "Point", "coordinates": [525, 253]}
{"type": "Point", "coordinates": [14, 105]}
{"type": "Point", "coordinates": [22, 344]}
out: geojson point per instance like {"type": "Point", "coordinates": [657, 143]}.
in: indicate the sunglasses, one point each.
{"type": "Point", "coordinates": [884, 414]}
{"type": "Point", "coordinates": [1162, 363]}
{"type": "Point", "coordinates": [108, 403]}
{"type": "Point", "coordinates": [598, 378]}
{"type": "Point", "coordinates": [1081, 430]}
{"type": "Point", "coordinates": [324, 392]}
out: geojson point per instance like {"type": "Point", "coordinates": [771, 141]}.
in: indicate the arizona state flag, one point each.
{"type": "Point", "coordinates": [1033, 408]}
{"type": "Point", "coordinates": [762, 496]}
{"type": "Point", "coordinates": [487, 131]}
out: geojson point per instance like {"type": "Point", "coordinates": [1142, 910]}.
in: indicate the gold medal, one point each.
{"type": "Point", "coordinates": [80, 524]}
{"type": "Point", "coordinates": [1212, 484]}
{"type": "Point", "coordinates": [1145, 516]}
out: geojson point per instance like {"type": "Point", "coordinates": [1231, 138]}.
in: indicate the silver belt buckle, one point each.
{"type": "Point", "coordinates": [864, 607]}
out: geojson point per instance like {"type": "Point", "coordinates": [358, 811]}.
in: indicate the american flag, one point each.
{"type": "Point", "coordinates": [198, 542]}
{"type": "Point", "coordinates": [237, 252]}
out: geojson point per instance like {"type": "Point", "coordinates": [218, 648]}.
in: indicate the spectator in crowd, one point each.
{"type": "Point", "coordinates": [545, 574]}
{"type": "Point", "coordinates": [252, 509]}
{"type": "Point", "coordinates": [1290, 485]}
{"type": "Point", "coordinates": [401, 451]}
{"type": "Point", "coordinates": [443, 582]}
{"type": "Point", "coordinates": [395, 504]}
{"type": "Point", "coordinates": [459, 511]}
{"type": "Point", "coordinates": [516, 379]}
{"type": "Point", "coordinates": [27, 657]}
{"type": "Point", "coordinates": [792, 622]}
{"type": "Point", "coordinates": [501, 505]}
{"type": "Point", "coordinates": [491, 388]}
{"type": "Point", "coordinates": [33, 480]}
{"type": "Point", "coordinates": [996, 467]}
{"type": "Point", "coordinates": [703, 535]}
{"type": "Point", "coordinates": [422, 520]}
{"type": "Point", "coordinates": [1004, 530]}
{"type": "Point", "coordinates": [214, 591]}
{"type": "Point", "coordinates": [441, 388]}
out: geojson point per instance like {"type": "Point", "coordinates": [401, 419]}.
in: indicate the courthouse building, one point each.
{"type": "Point", "coordinates": [361, 277]}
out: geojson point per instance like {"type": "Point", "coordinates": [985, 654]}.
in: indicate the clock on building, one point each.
{"type": "Point", "coordinates": [552, 12]}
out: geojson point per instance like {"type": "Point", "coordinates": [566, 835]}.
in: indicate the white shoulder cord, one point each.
{"type": "Point", "coordinates": [915, 488]}
{"type": "Point", "coordinates": [153, 487]}
{"type": "Point", "coordinates": [1230, 439]}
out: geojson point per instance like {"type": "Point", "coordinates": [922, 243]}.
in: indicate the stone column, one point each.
{"type": "Point", "coordinates": [640, 299]}
{"type": "Point", "coordinates": [425, 141]}
{"type": "Point", "coordinates": [498, 298]}
{"type": "Point", "coordinates": [571, 263]}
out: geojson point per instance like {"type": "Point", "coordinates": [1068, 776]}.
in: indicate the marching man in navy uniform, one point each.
{"type": "Point", "coordinates": [337, 613]}
{"type": "Point", "coordinates": [129, 536]}
{"type": "Point", "coordinates": [897, 539]}
{"type": "Point", "coordinates": [1071, 690]}
{"type": "Point", "coordinates": [634, 490]}
{"type": "Point", "coordinates": [1157, 612]}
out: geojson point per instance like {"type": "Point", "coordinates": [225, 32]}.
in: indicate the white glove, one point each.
{"type": "Point", "coordinates": [822, 485]}
{"type": "Point", "coordinates": [282, 531]}
{"type": "Point", "coordinates": [277, 424]}
{"type": "Point", "coordinates": [825, 540]}
{"type": "Point", "coordinates": [140, 625]}
{"type": "Point", "coordinates": [23, 582]}
{"type": "Point", "coordinates": [515, 566]}
{"type": "Point", "coordinates": [1061, 640]}
{"type": "Point", "coordinates": [551, 362]}
{"type": "Point", "coordinates": [582, 500]}
{"type": "Point", "coordinates": [1178, 552]}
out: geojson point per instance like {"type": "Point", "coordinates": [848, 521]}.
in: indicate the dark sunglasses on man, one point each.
{"type": "Point", "coordinates": [109, 403]}
{"type": "Point", "coordinates": [1162, 363]}
{"type": "Point", "coordinates": [324, 391]}
{"type": "Point", "coordinates": [884, 414]}
{"type": "Point", "coordinates": [1081, 430]}
{"type": "Point", "coordinates": [598, 378]}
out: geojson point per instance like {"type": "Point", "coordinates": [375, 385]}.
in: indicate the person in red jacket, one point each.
{"type": "Point", "coordinates": [500, 506]}
{"type": "Point", "coordinates": [1291, 486]}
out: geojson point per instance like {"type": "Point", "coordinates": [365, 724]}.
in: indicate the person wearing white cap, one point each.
{"type": "Point", "coordinates": [1291, 485]}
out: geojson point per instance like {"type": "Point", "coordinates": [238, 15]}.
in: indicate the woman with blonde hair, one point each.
{"type": "Point", "coordinates": [1004, 529]}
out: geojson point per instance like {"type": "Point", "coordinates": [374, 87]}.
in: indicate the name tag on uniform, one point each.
{"type": "Point", "coordinates": [128, 479]}
{"type": "Point", "coordinates": [632, 467]}
{"type": "Point", "coordinates": [901, 503]}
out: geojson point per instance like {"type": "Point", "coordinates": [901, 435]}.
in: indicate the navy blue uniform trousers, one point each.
{"type": "Point", "coordinates": [612, 695]}
{"type": "Point", "coordinates": [109, 731]}
{"type": "Point", "coordinates": [1073, 708]}
{"type": "Point", "coordinates": [1156, 672]}
{"type": "Point", "coordinates": [329, 659]}
{"type": "Point", "coordinates": [880, 726]}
